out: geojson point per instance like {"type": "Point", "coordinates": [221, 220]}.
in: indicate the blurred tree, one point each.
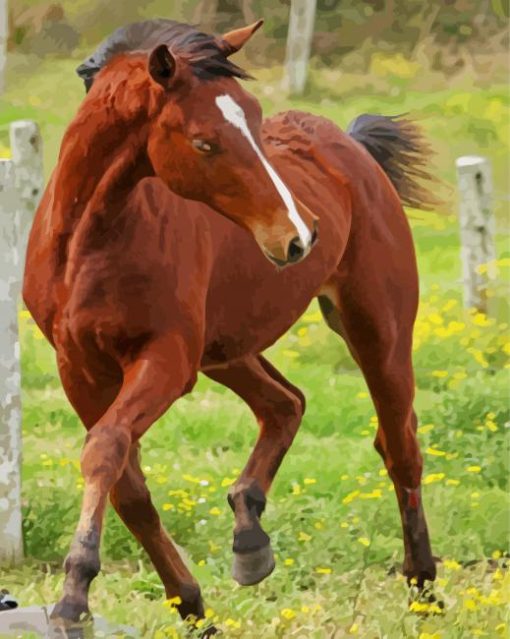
{"type": "Point", "coordinates": [4, 32]}
{"type": "Point", "coordinates": [205, 14]}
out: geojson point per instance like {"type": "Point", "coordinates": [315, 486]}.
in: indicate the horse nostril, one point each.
{"type": "Point", "coordinates": [315, 235]}
{"type": "Point", "coordinates": [295, 251]}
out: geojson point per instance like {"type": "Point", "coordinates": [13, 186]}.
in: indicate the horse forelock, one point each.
{"type": "Point", "coordinates": [204, 53]}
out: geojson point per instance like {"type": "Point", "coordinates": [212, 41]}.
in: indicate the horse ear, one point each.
{"type": "Point", "coordinates": [235, 40]}
{"type": "Point", "coordinates": [162, 66]}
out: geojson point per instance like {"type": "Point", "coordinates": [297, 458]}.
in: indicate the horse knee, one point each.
{"type": "Point", "coordinates": [406, 471]}
{"type": "Point", "coordinates": [282, 418]}
{"type": "Point", "coordinates": [105, 453]}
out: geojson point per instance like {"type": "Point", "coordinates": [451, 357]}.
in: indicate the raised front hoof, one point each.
{"type": "Point", "coordinates": [70, 611]}
{"type": "Point", "coordinates": [251, 568]}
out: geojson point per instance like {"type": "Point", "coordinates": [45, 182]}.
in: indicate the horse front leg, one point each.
{"type": "Point", "coordinates": [278, 407]}
{"type": "Point", "coordinates": [132, 500]}
{"type": "Point", "coordinates": [157, 377]}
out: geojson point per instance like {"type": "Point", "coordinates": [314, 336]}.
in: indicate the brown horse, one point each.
{"type": "Point", "coordinates": [158, 251]}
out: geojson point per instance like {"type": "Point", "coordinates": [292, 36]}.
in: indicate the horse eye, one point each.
{"type": "Point", "coordinates": [203, 146]}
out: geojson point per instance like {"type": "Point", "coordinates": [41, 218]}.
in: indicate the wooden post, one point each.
{"type": "Point", "coordinates": [299, 42]}
{"type": "Point", "coordinates": [476, 228]}
{"type": "Point", "coordinates": [21, 182]}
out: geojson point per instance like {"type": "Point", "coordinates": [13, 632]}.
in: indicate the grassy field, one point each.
{"type": "Point", "coordinates": [332, 514]}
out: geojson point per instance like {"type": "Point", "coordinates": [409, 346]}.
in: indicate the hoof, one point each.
{"type": "Point", "coordinates": [252, 567]}
{"type": "Point", "coordinates": [69, 611]}
{"type": "Point", "coordinates": [419, 577]}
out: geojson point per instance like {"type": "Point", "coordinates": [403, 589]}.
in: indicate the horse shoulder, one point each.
{"type": "Point", "coordinates": [41, 265]}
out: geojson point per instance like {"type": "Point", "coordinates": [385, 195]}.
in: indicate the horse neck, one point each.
{"type": "Point", "coordinates": [100, 161]}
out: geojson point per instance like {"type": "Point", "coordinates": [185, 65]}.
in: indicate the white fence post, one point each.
{"type": "Point", "coordinates": [476, 228]}
{"type": "Point", "coordinates": [299, 42]}
{"type": "Point", "coordinates": [21, 181]}
{"type": "Point", "coordinates": [26, 149]}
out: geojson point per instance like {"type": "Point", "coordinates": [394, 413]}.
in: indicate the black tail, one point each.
{"type": "Point", "coordinates": [400, 149]}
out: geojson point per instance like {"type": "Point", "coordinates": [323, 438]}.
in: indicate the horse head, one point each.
{"type": "Point", "coordinates": [205, 144]}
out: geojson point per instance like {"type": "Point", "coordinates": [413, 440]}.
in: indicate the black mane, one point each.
{"type": "Point", "coordinates": [202, 51]}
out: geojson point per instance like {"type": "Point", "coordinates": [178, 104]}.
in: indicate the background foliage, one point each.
{"type": "Point", "coordinates": [451, 34]}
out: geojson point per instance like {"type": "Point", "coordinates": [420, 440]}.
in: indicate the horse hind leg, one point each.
{"type": "Point", "coordinates": [384, 356]}
{"type": "Point", "coordinates": [278, 407]}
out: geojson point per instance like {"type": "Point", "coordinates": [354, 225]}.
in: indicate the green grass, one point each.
{"type": "Point", "coordinates": [332, 514]}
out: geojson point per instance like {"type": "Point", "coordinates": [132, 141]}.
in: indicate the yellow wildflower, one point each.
{"type": "Point", "coordinates": [288, 613]}
{"type": "Point", "coordinates": [173, 601]}
{"type": "Point", "coordinates": [232, 623]}
{"type": "Point", "coordinates": [474, 469]}
{"type": "Point", "coordinates": [323, 571]}
{"type": "Point", "coordinates": [435, 451]}
{"type": "Point", "coordinates": [424, 607]}
{"type": "Point", "coordinates": [480, 319]}
{"type": "Point", "coordinates": [350, 497]}
{"type": "Point", "coordinates": [364, 541]}
{"type": "Point", "coordinates": [374, 494]}
{"type": "Point", "coordinates": [451, 564]}
{"type": "Point", "coordinates": [215, 511]}
{"type": "Point", "coordinates": [426, 428]}
{"type": "Point", "coordinates": [433, 477]}
{"type": "Point", "coordinates": [191, 479]}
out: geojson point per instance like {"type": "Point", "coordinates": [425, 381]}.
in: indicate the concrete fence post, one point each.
{"type": "Point", "coordinates": [476, 228]}
{"type": "Point", "coordinates": [21, 181]}
{"type": "Point", "coordinates": [299, 42]}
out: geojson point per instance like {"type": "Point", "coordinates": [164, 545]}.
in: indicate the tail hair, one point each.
{"type": "Point", "coordinates": [399, 147]}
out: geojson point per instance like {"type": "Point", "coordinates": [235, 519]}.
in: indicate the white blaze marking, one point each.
{"type": "Point", "coordinates": [234, 114]}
